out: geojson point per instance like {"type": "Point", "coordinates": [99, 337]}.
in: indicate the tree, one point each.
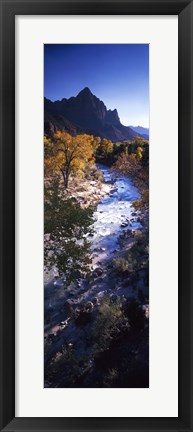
{"type": "Point", "coordinates": [145, 155]}
{"type": "Point", "coordinates": [127, 164]}
{"type": "Point", "coordinates": [139, 153]}
{"type": "Point", "coordinates": [67, 154]}
{"type": "Point", "coordinates": [65, 226]}
{"type": "Point", "coordinates": [105, 148]}
{"type": "Point", "coordinates": [140, 141]}
{"type": "Point", "coordinates": [143, 203]}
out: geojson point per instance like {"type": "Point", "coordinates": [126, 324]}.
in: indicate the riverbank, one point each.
{"type": "Point", "coordinates": [90, 190]}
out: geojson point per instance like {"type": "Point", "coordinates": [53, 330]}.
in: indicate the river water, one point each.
{"type": "Point", "coordinates": [112, 212]}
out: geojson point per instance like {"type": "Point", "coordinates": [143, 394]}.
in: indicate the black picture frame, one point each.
{"type": "Point", "coordinates": [8, 11]}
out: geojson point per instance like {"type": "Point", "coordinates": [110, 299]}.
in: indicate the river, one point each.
{"type": "Point", "coordinates": [113, 216]}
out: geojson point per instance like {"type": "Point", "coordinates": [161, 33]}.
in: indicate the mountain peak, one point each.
{"type": "Point", "coordinates": [85, 91]}
{"type": "Point", "coordinates": [88, 113]}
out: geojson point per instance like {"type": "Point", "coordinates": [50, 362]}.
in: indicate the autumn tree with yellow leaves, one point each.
{"type": "Point", "coordinates": [134, 166]}
{"type": "Point", "coordinates": [66, 154]}
{"type": "Point", "coordinates": [105, 147]}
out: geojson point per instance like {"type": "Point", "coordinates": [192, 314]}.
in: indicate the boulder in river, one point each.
{"type": "Point", "coordinates": [95, 301]}
{"type": "Point", "coordinates": [97, 272]}
{"type": "Point", "coordinates": [100, 249]}
{"type": "Point", "coordinates": [124, 224]}
{"type": "Point", "coordinates": [89, 306]}
{"type": "Point", "coordinates": [64, 323]}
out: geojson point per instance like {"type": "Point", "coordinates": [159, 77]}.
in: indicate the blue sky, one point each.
{"type": "Point", "coordinates": [117, 74]}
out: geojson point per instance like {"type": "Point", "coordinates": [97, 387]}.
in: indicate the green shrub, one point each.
{"type": "Point", "coordinates": [124, 264]}
{"type": "Point", "coordinates": [63, 367]}
{"type": "Point", "coordinates": [107, 324]}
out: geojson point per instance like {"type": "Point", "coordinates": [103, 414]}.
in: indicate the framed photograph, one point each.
{"type": "Point", "coordinates": [96, 215]}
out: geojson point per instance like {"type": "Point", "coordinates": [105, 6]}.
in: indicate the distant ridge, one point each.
{"type": "Point", "coordinates": [144, 132]}
{"type": "Point", "coordinates": [85, 113]}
